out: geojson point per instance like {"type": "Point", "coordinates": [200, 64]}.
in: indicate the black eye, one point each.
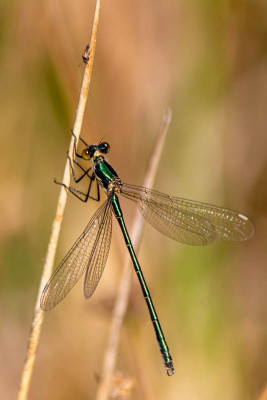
{"type": "Point", "coordinates": [86, 154]}
{"type": "Point", "coordinates": [104, 147]}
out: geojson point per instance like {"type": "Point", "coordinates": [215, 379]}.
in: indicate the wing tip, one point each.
{"type": "Point", "coordinates": [250, 230]}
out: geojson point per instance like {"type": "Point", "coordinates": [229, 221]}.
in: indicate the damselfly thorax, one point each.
{"type": "Point", "coordinates": [186, 221]}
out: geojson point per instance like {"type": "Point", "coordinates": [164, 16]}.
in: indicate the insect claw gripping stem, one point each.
{"type": "Point", "coordinates": [186, 221]}
{"type": "Point", "coordinates": [75, 140]}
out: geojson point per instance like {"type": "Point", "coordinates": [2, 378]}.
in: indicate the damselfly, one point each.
{"type": "Point", "coordinates": [186, 221]}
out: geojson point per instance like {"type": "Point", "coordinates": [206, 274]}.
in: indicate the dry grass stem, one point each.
{"type": "Point", "coordinates": [124, 287]}
{"type": "Point", "coordinates": [50, 255]}
{"type": "Point", "coordinates": [263, 395]}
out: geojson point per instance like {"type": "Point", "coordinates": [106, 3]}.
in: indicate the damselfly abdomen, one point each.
{"type": "Point", "coordinates": [186, 221]}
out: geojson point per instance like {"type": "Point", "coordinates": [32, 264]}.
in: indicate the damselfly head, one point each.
{"type": "Point", "coordinates": [94, 150]}
{"type": "Point", "coordinates": [89, 152]}
{"type": "Point", "coordinates": [104, 147]}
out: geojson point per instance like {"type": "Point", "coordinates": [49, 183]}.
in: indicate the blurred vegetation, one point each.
{"type": "Point", "coordinates": [207, 60]}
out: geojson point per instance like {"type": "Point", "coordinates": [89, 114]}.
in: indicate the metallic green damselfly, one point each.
{"type": "Point", "coordinates": [186, 221]}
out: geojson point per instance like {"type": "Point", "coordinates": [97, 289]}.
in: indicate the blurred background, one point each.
{"type": "Point", "coordinates": [207, 60]}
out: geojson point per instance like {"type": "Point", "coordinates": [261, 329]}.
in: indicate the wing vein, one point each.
{"type": "Point", "coordinates": [188, 221]}
{"type": "Point", "coordinates": [75, 262]}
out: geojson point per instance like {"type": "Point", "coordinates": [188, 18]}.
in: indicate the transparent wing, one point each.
{"type": "Point", "coordinates": [99, 254]}
{"type": "Point", "coordinates": [189, 221]}
{"type": "Point", "coordinates": [76, 260]}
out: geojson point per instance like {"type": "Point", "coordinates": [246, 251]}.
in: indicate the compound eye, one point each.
{"type": "Point", "coordinates": [86, 154]}
{"type": "Point", "coordinates": [104, 147]}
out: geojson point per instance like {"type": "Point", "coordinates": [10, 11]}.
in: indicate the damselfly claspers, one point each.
{"type": "Point", "coordinates": [186, 221]}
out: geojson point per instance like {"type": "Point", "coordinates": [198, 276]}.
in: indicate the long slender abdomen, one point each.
{"type": "Point", "coordinates": [167, 359]}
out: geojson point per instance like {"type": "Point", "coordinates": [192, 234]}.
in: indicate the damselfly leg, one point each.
{"type": "Point", "coordinates": [85, 173]}
{"type": "Point", "coordinates": [78, 193]}
{"type": "Point", "coordinates": [186, 221]}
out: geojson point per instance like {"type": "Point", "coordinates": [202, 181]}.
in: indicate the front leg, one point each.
{"type": "Point", "coordinates": [85, 172]}
{"type": "Point", "coordinates": [75, 145]}
{"type": "Point", "coordinates": [79, 194]}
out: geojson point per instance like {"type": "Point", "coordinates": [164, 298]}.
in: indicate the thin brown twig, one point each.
{"type": "Point", "coordinates": [264, 394]}
{"type": "Point", "coordinates": [51, 250]}
{"type": "Point", "coordinates": [124, 287]}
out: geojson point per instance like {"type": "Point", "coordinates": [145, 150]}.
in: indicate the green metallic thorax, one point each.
{"type": "Point", "coordinates": [104, 172]}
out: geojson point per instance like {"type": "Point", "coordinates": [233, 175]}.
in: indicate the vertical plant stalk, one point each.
{"type": "Point", "coordinates": [51, 250]}
{"type": "Point", "coordinates": [121, 302]}
{"type": "Point", "coordinates": [264, 394]}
